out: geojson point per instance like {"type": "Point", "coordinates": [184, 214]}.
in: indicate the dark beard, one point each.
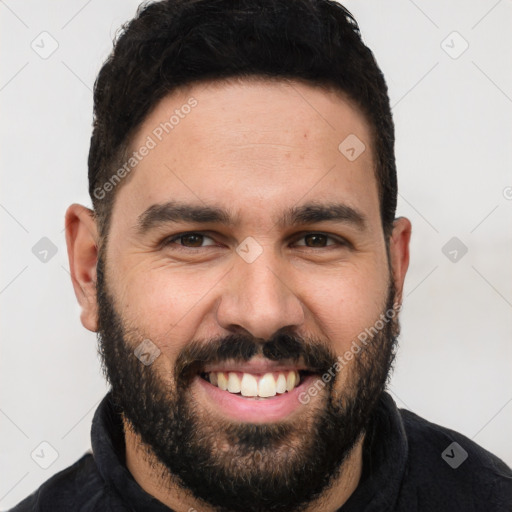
{"type": "Point", "coordinates": [275, 467]}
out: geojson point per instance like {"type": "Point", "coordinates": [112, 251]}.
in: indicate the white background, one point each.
{"type": "Point", "coordinates": [454, 132]}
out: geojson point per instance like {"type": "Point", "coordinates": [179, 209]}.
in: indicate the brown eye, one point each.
{"type": "Point", "coordinates": [316, 240]}
{"type": "Point", "coordinates": [321, 241]}
{"type": "Point", "coordinates": [189, 241]}
{"type": "Point", "coordinates": [192, 240]}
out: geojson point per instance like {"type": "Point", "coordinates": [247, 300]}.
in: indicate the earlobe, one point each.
{"type": "Point", "coordinates": [82, 245]}
{"type": "Point", "coordinates": [399, 253]}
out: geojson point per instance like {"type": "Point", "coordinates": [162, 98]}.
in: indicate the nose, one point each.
{"type": "Point", "coordinates": [259, 298]}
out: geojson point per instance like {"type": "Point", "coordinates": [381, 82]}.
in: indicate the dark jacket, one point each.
{"type": "Point", "coordinates": [409, 465]}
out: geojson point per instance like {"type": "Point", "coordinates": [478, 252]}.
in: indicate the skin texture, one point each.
{"type": "Point", "coordinates": [256, 149]}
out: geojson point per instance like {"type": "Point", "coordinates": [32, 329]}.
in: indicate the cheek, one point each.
{"type": "Point", "coordinates": [345, 304]}
{"type": "Point", "coordinates": [165, 304]}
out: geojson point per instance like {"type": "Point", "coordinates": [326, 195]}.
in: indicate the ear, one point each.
{"type": "Point", "coordinates": [82, 243]}
{"type": "Point", "coordinates": [399, 253]}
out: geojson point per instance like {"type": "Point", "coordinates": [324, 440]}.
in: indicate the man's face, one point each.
{"type": "Point", "coordinates": [261, 297]}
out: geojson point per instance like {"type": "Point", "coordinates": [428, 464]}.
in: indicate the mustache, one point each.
{"type": "Point", "coordinates": [282, 347]}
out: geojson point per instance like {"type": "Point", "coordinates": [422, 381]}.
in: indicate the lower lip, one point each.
{"type": "Point", "coordinates": [270, 409]}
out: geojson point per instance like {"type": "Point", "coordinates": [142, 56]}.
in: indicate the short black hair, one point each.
{"type": "Point", "coordinates": [174, 43]}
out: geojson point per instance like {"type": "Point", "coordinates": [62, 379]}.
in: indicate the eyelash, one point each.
{"type": "Point", "coordinates": [339, 242]}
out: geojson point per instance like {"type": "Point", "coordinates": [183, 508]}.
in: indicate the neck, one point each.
{"type": "Point", "coordinates": [147, 472]}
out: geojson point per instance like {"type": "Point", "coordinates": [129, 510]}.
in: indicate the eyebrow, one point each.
{"type": "Point", "coordinates": [309, 213]}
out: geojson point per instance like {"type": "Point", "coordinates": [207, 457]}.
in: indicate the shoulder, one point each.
{"type": "Point", "coordinates": [451, 472]}
{"type": "Point", "coordinates": [78, 487]}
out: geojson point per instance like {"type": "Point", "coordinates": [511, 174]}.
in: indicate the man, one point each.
{"type": "Point", "coordinates": [244, 269]}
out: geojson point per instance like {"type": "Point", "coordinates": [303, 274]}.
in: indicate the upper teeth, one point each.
{"type": "Point", "coordinates": [249, 384]}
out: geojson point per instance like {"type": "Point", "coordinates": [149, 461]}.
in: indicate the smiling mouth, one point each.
{"type": "Point", "coordinates": [256, 385]}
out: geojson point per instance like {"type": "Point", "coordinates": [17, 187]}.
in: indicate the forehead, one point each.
{"type": "Point", "coordinates": [251, 146]}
